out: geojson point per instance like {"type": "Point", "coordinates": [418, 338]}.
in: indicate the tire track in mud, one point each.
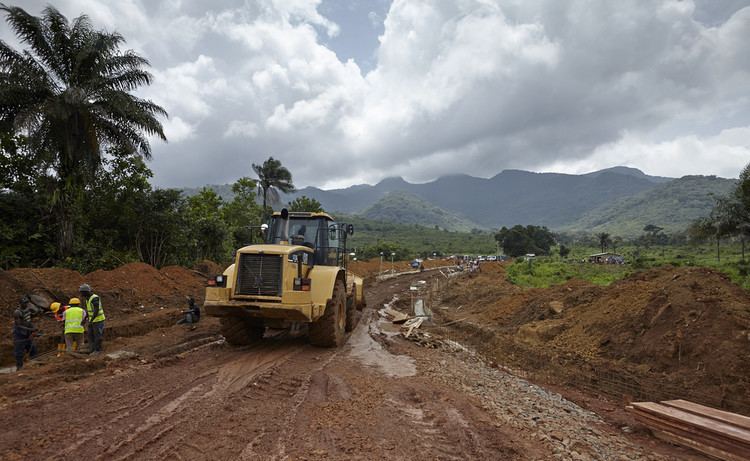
{"type": "Point", "coordinates": [208, 410]}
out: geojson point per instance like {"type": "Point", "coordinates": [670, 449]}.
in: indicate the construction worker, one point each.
{"type": "Point", "coordinates": [192, 314]}
{"type": "Point", "coordinates": [73, 319]}
{"type": "Point", "coordinates": [58, 310]}
{"type": "Point", "coordinates": [23, 333]}
{"type": "Point", "coordinates": [95, 313]}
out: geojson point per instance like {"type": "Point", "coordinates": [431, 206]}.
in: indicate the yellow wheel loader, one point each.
{"type": "Point", "coordinates": [299, 274]}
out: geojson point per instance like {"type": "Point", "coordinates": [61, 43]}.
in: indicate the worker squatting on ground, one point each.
{"type": "Point", "coordinates": [192, 313]}
{"type": "Point", "coordinates": [95, 314]}
{"type": "Point", "coordinates": [73, 319]}
{"type": "Point", "coordinates": [23, 333]}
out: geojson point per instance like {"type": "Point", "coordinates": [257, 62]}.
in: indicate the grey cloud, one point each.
{"type": "Point", "coordinates": [547, 82]}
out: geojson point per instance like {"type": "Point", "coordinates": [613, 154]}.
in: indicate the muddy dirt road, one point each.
{"type": "Point", "coordinates": [181, 394]}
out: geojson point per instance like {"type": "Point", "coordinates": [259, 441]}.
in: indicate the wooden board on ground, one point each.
{"type": "Point", "coordinates": [713, 413]}
{"type": "Point", "coordinates": [719, 434]}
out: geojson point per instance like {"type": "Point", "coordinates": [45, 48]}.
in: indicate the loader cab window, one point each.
{"type": "Point", "coordinates": [320, 234]}
{"type": "Point", "coordinates": [305, 229]}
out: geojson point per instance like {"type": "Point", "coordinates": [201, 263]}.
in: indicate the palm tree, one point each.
{"type": "Point", "coordinates": [272, 178]}
{"type": "Point", "coordinates": [68, 95]}
{"type": "Point", "coordinates": [604, 241]}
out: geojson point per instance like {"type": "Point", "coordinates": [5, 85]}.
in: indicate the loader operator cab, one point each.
{"type": "Point", "coordinates": [317, 231]}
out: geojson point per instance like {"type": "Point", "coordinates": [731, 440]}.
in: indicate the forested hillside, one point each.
{"type": "Point", "coordinates": [672, 206]}
{"type": "Point", "coordinates": [508, 198]}
{"type": "Point", "coordinates": [405, 208]}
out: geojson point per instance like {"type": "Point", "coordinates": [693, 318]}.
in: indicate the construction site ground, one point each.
{"type": "Point", "coordinates": [165, 391]}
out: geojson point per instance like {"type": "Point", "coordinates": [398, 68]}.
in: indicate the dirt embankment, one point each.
{"type": "Point", "coordinates": [128, 293]}
{"type": "Point", "coordinates": [667, 332]}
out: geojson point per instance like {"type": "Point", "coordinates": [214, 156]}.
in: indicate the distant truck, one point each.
{"type": "Point", "coordinates": [299, 274]}
{"type": "Point", "coordinates": [417, 264]}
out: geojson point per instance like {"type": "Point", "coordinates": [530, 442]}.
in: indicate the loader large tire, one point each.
{"type": "Point", "coordinates": [352, 314]}
{"type": "Point", "coordinates": [328, 331]}
{"type": "Point", "coordinates": [239, 331]}
{"type": "Point", "coordinates": [362, 303]}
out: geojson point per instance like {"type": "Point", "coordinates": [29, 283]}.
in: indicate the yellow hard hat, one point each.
{"type": "Point", "coordinates": [54, 307]}
{"type": "Point", "coordinates": [74, 302]}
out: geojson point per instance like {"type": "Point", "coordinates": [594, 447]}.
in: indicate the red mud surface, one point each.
{"type": "Point", "coordinates": [164, 391]}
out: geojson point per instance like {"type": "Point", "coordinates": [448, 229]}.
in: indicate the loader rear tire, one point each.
{"type": "Point", "coordinates": [328, 331]}
{"type": "Point", "coordinates": [239, 331]}
{"type": "Point", "coordinates": [352, 314]}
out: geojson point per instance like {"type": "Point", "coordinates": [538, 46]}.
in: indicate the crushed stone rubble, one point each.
{"type": "Point", "coordinates": [569, 431]}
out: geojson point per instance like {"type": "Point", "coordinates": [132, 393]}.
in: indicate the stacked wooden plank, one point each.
{"type": "Point", "coordinates": [720, 434]}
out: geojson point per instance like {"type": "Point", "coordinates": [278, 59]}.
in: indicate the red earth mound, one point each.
{"type": "Point", "coordinates": [688, 328]}
{"type": "Point", "coordinates": [130, 290]}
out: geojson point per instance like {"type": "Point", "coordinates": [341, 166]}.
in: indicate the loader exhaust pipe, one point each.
{"type": "Point", "coordinates": [284, 225]}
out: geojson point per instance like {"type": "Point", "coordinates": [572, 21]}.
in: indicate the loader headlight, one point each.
{"type": "Point", "coordinates": [218, 281]}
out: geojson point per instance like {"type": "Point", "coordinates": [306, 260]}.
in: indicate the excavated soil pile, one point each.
{"type": "Point", "coordinates": [668, 331]}
{"type": "Point", "coordinates": [128, 292]}
{"type": "Point", "coordinates": [209, 268]}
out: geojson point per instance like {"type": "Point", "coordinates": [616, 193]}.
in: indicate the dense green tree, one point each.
{"type": "Point", "coordinates": [616, 241]}
{"type": "Point", "coordinates": [564, 251]}
{"type": "Point", "coordinates": [209, 230]}
{"type": "Point", "coordinates": [112, 201]}
{"type": "Point", "coordinates": [305, 203]}
{"type": "Point", "coordinates": [388, 250]}
{"type": "Point", "coordinates": [519, 240]}
{"type": "Point", "coordinates": [164, 235]}
{"type": "Point", "coordinates": [272, 179]}
{"type": "Point", "coordinates": [604, 241]}
{"type": "Point", "coordinates": [242, 212]}
{"type": "Point", "coordinates": [69, 94]}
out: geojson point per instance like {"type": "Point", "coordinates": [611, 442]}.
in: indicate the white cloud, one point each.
{"type": "Point", "coordinates": [241, 128]}
{"type": "Point", "coordinates": [719, 155]}
{"type": "Point", "coordinates": [176, 130]}
{"type": "Point", "coordinates": [374, 18]}
{"type": "Point", "coordinates": [471, 86]}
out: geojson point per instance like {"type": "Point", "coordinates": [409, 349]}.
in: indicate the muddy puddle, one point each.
{"type": "Point", "coordinates": [371, 353]}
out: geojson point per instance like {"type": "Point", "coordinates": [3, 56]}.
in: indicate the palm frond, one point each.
{"type": "Point", "coordinates": [30, 29]}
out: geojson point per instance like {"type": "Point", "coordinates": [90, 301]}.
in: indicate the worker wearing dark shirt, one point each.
{"type": "Point", "coordinates": [95, 314]}
{"type": "Point", "coordinates": [23, 333]}
{"type": "Point", "coordinates": [192, 313]}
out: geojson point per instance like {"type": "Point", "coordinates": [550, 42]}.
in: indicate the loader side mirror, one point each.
{"type": "Point", "coordinates": [350, 229]}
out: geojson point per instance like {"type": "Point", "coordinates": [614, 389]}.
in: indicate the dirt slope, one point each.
{"type": "Point", "coordinates": [128, 291]}
{"type": "Point", "coordinates": [682, 329]}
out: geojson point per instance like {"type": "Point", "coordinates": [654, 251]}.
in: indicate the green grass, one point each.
{"type": "Point", "coordinates": [545, 272]}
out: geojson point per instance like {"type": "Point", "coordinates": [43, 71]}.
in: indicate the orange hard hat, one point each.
{"type": "Point", "coordinates": [74, 302]}
{"type": "Point", "coordinates": [54, 307]}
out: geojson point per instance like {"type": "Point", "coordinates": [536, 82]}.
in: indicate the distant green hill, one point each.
{"type": "Point", "coordinates": [672, 205]}
{"type": "Point", "coordinates": [510, 197]}
{"type": "Point", "coordinates": [418, 239]}
{"type": "Point", "coordinates": [405, 208]}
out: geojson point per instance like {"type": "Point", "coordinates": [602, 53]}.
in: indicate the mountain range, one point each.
{"type": "Point", "coordinates": [619, 199]}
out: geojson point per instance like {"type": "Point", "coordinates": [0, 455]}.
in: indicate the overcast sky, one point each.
{"type": "Point", "coordinates": [347, 92]}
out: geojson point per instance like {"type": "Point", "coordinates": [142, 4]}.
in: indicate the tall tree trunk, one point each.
{"type": "Point", "coordinates": [718, 250]}
{"type": "Point", "coordinates": [742, 241]}
{"type": "Point", "coordinates": [265, 209]}
{"type": "Point", "coordinates": [64, 215]}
